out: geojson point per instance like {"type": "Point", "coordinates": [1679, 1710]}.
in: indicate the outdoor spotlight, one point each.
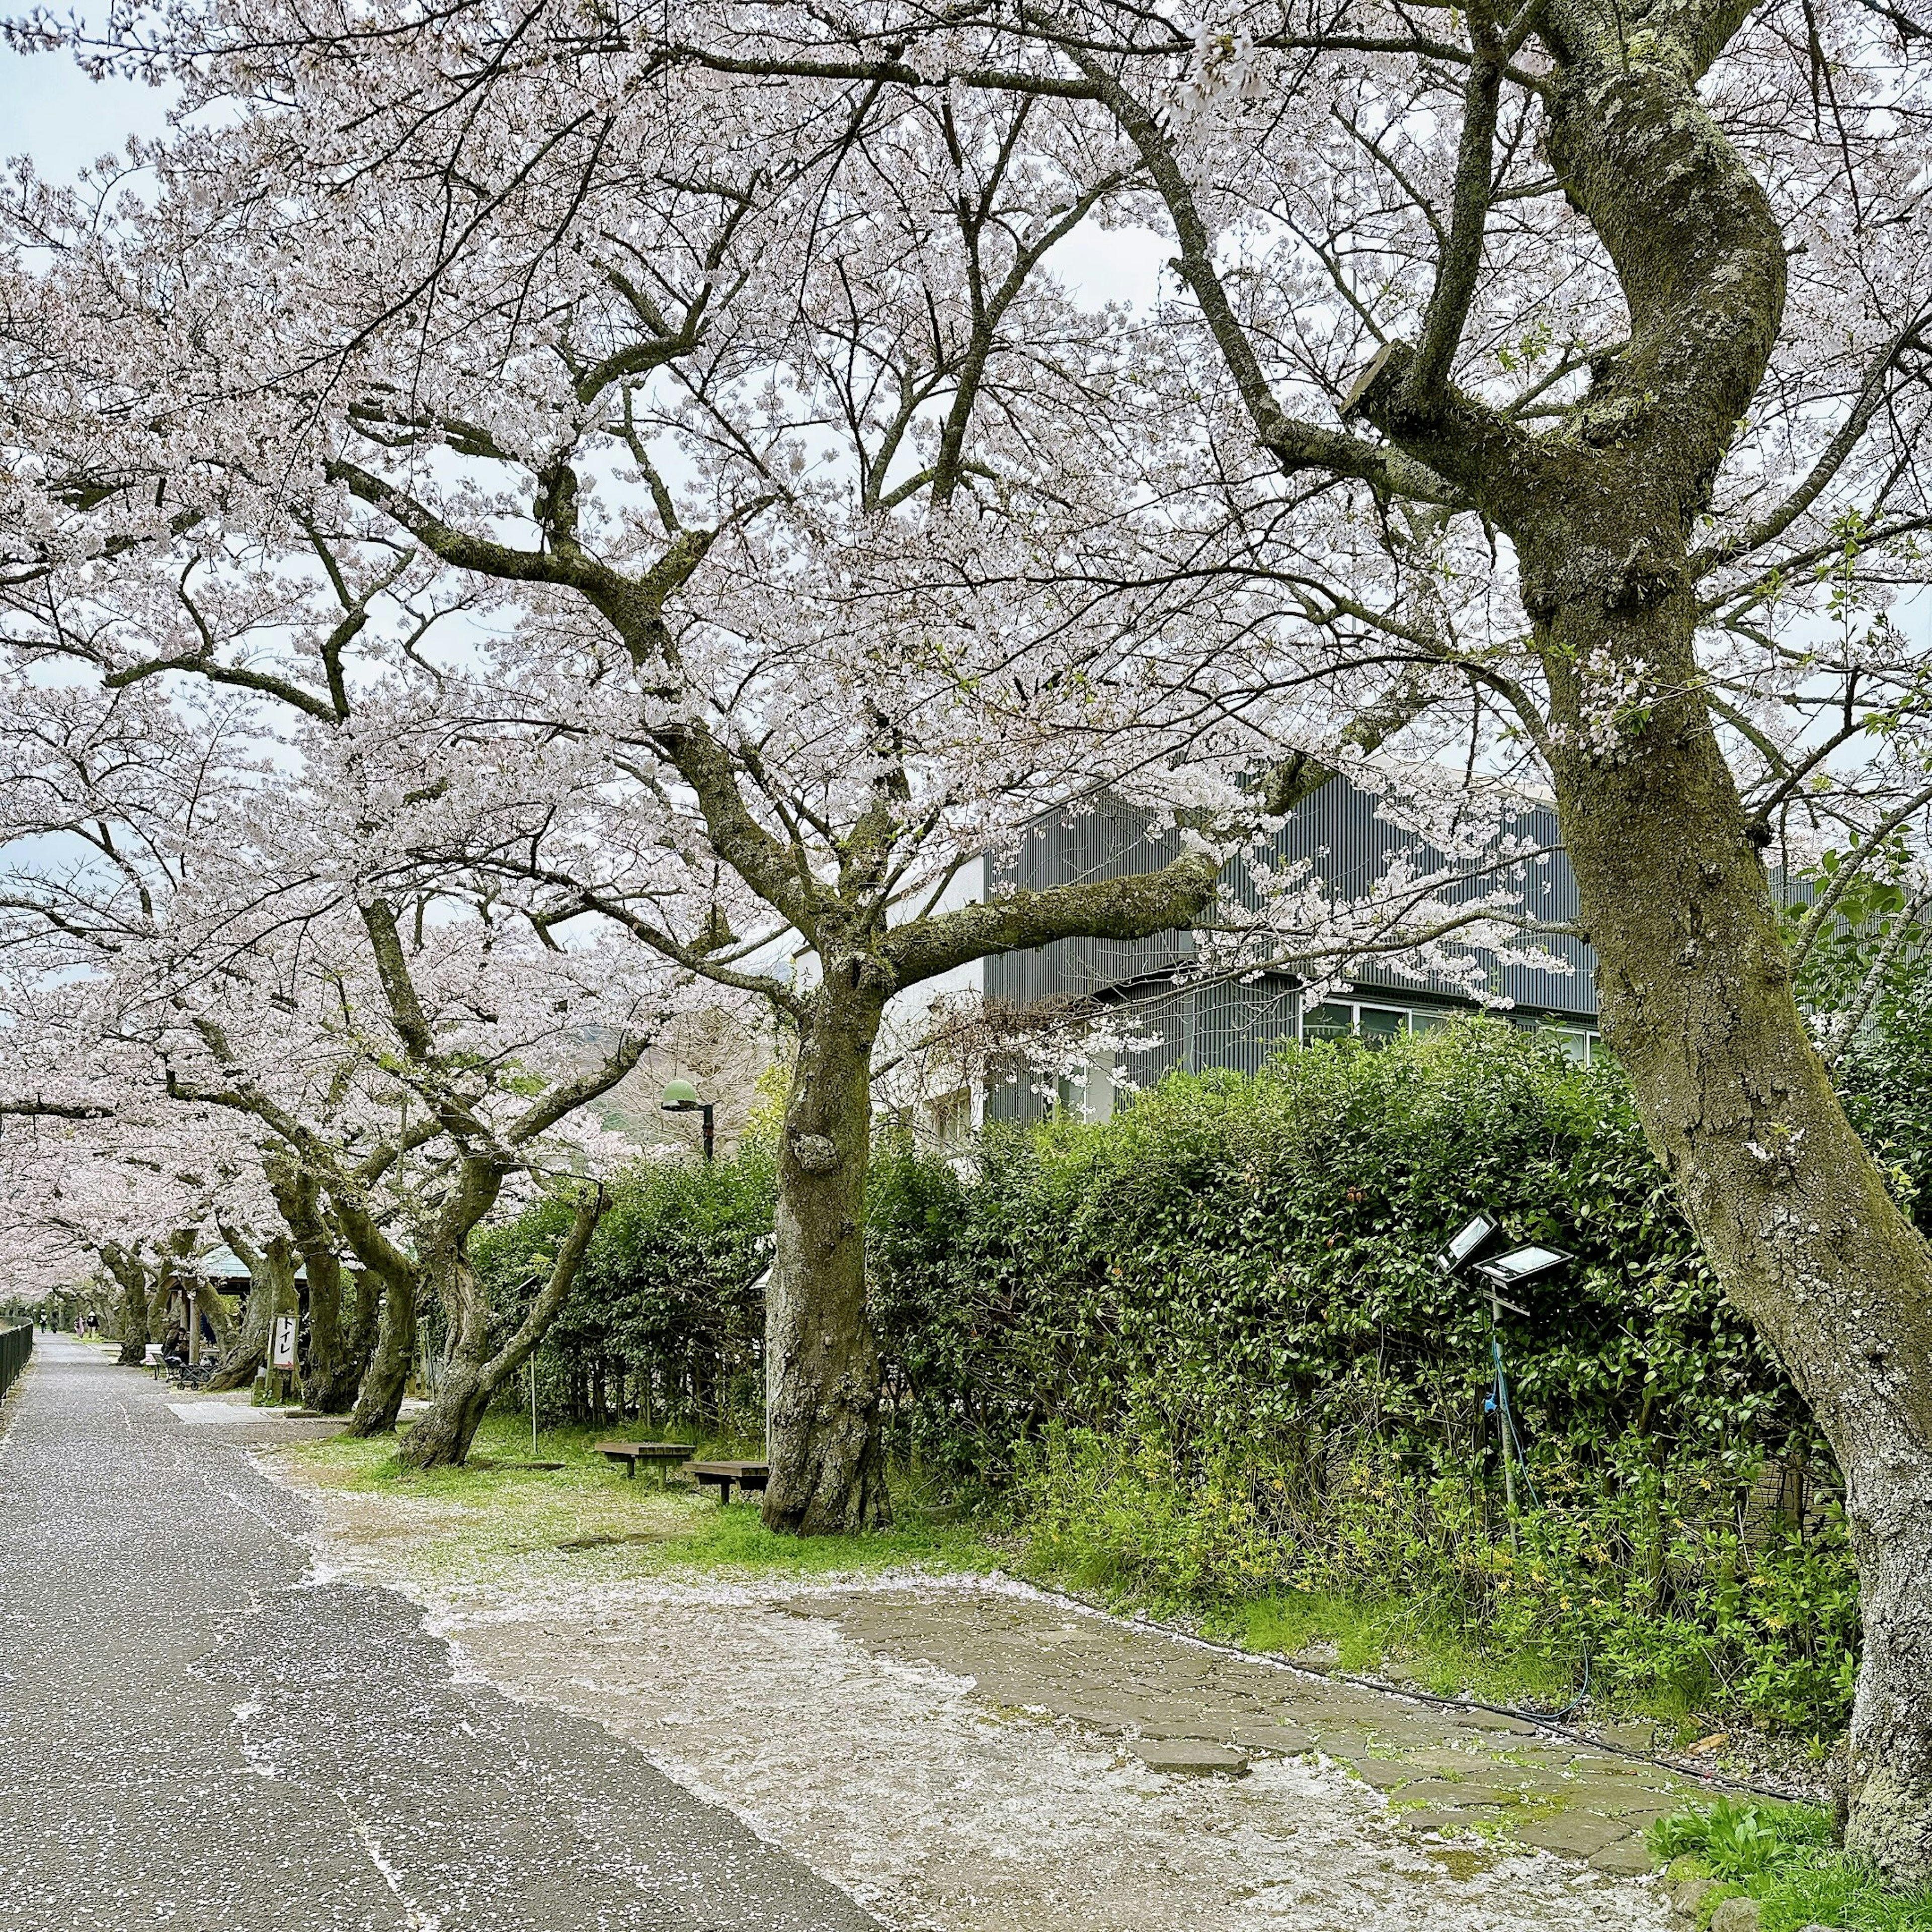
{"type": "Point", "coordinates": [680, 1097]}
{"type": "Point", "coordinates": [1522, 1263]}
{"type": "Point", "coordinates": [1468, 1238]}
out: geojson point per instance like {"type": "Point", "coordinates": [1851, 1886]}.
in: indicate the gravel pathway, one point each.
{"type": "Point", "coordinates": [195, 1734]}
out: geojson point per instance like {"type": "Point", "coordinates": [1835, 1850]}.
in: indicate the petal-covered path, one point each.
{"type": "Point", "coordinates": [965, 1754]}
{"type": "Point", "coordinates": [194, 1735]}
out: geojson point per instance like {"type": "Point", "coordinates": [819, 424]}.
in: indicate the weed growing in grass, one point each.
{"type": "Point", "coordinates": [1397, 1638]}
{"type": "Point", "coordinates": [1782, 1856]}
{"type": "Point", "coordinates": [1405, 1571]}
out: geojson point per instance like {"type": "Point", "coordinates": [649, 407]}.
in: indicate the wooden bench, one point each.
{"type": "Point", "coordinates": [662, 1456]}
{"type": "Point", "coordinates": [746, 1475]}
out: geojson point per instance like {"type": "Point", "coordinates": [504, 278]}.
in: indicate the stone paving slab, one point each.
{"type": "Point", "coordinates": [945, 1804]}
{"type": "Point", "coordinates": [1455, 1773]}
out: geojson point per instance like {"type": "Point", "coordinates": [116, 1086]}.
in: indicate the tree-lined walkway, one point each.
{"type": "Point", "coordinates": [193, 1734]}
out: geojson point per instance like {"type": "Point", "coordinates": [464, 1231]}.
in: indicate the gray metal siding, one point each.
{"type": "Point", "coordinates": [1106, 843]}
{"type": "Point", "coordinates": [1338, 831]}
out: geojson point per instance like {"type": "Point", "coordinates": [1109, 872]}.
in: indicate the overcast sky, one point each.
{"type": "Point", "coordinates": [50, 110]}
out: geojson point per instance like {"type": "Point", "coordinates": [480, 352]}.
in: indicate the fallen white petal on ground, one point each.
{"type": "Point", "coordinates": [936, 1811]}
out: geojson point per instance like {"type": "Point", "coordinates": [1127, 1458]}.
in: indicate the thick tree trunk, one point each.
{"type": "Point", "coordinates": [378, 1397]}
{"type": "Point", "coordinates": [329, 1376]}
{"type": "Point", "coordinates": [249, 1355]}
{"type": "Point", "coordinates": [443, 1435]}
{"type": "Point", "coordinates": [828, 1475]}
{"type": "Point", "coordinates": [1693, 978]}
{"type": "Point", "coordinates": [245, 1360]}
{"type": "Point", "coordinates": [1791, 1210]}
{"type": "Point", "coordinates": [209, 1302]}
{"type": "Point", "coordinates": [160, 1293]}
{"type": "Point", "coordinates": [133, 1280]}
{"type": "Point", "coordinates": [363, 1315]}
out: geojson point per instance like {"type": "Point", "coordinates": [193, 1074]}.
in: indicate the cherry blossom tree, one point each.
{"type": "Point", "coordinates": [811, 539]}
{"type": "Point", "coordinates": [266, 945]}
{"type": "Point", "coordinates": [1616, 315]}
{"type": "Point", "coordinates": [127, 1192]}
{"type": "Point", "coordinates": [1566, 362]}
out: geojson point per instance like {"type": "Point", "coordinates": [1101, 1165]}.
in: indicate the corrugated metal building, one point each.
{"type": "Point", "coordinates": [1235, 1024]}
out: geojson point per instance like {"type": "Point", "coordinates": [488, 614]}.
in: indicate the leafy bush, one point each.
{"type": "Point", "coordinates": [1206, 1349]}
{"type": "Point", "coordinates": [665, 1320]}
{"type": "Point", "coordinates": [1203, 1355]}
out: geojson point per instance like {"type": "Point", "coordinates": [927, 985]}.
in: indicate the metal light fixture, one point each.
{"type": "Point", "coordinates": [1523, 1263]}
{"type": "Point", "coordinates": [1501, 1271]}
{"type": "Point", "coordinates": [680, 1097]}
{"type": "Point", "coordinates": [1505, 1271]}
{"type": "Point", "coordinates": [1467, 1239]}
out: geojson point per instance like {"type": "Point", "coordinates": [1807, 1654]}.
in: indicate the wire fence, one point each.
{"type": "Point", "coordinates": [16, 1344]}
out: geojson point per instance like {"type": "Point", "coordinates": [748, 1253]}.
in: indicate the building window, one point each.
{"type": "Point", "coordinates": [1089, 1094]}
{"type": "Point", "coordinates": [1336, 1019]}
{"type": "Point", "coordinates": [952, 1118]}
{"type": "Point", "coordinates": [1580, 1043]}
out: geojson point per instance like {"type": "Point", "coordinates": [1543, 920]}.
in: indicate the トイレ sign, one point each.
{"type": "Point", "coordinates": [282, 1344]}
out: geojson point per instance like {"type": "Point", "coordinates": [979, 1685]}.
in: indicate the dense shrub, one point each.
{"type": "Point", "coordinates": [666, 1323]}
{"type": "Point", "coordinates": [1206, 1348]}
{"type": "Point", "coordinates": [1885, 1072]}
{"type": "Point", "coordinates": [1202, 1353]}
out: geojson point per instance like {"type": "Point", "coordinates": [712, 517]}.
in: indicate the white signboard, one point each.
{"type": "Point", "coordinates": [282, 1348]}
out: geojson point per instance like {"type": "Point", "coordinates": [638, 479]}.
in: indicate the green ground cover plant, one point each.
{"type": "Point", "coordinates": [588, 1514]}
{"type": "Point", "coordinates": [1783, 1856]}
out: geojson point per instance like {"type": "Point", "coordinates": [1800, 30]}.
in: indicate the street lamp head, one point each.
{"type": "Point", "coordinates": [680, 1097]}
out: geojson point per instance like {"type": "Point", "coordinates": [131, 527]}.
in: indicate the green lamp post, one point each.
{"type": "Point", "coordinates": [680, 1097]}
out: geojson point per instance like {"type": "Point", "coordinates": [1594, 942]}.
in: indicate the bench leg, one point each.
{"type": "Point", "coordinates": [630, 1468]}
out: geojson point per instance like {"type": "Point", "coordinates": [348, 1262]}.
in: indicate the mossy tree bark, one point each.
{"type": "Point", "coordinates": [385, 1378]}
{"type": "Point", "coordinates": [477, 1366]}
{"type": "Point", "coordinates": [1788, 1204]}
{"type": "Point", "coordinates": [822, 1366]}
{"type": "Point", "coordinates": [328, 1376]}
{"type": "Point", "coordinates": [249, 1355]}
{"type": "Point", "coordinates": [131, 1278]}
{"type": "Point", "coordinates": [379, 1396]}
{"type": "Point", "coordinates": [1693, 978]}
{"type": "Point", "coordinates": [363, 1312]}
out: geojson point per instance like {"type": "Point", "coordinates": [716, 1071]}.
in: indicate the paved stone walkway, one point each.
{"type": "Point", "coordinates": [192, 1735]}
{"type": "Point", "coordinates": [1452, 1773]}
{"type": "Point", "coordinates": [965, 1754]}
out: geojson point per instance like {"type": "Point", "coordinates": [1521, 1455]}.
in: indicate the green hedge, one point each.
{"type": "Point", "coordinates": [1260, 1252]}
{"type": "Point", "coordinates": [1205, 1348]}
{"type": "Point", "coordinates": [665, 1325]}
{"type": "Point", "coordinates": [1202, 1354]}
